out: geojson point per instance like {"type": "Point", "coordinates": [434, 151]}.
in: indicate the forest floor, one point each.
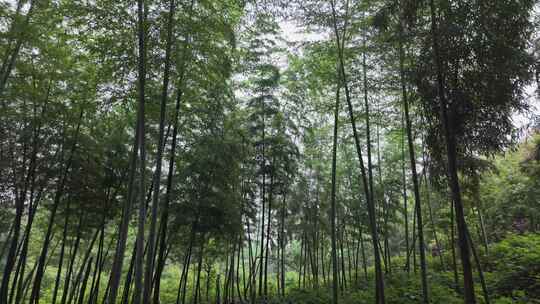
{"type": "Point", "coordinates": [511, 270]}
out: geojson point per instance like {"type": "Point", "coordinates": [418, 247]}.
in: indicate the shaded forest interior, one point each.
{"type": "Point", "coordinates": [269, 151]}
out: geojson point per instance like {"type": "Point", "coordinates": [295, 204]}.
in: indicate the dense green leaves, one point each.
{"type": "Point", "coordinates": [240, 208]}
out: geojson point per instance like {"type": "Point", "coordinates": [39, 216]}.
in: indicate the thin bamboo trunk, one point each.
{"type": "Point", "coordinates": [480, 270]}
{"type": "Point", "coordinates": [268, 227]}
{"type": "Point", "coordinates": [73, 255]}
{"type": "Point", "coordinates": [335, 284]}
{"type": "Point", "coordinates": [405, 206]}
{"type": "Point", "coordinates": [141, 62]}
{"type": "Point", "coordinates": [84, 282]}
{"type": "Point", "coordinates": [83, 264]}
{"type": "Point", "coordinates": [379, 279]}
{"type": "Point", "coordinates": [8, 65]}
{"type": "Point", "coordinates": [453, 247]}
{"type": "Point", "coordinates": [453, 180]}
{"type": "Point", "coordinates": [96, 276]}
{"type": "Point", "coordinates": [36, 287]}
{"type": "Point", "coordinates": [61, 258]}
{"type": "Point", "coordinates": [342, 260]}
{"type": "Point", "coordinates": [149, 271]}
{"type": "Point", "coordinates": [282, 245]}
{"type": "Point", "coordinates": [416, 186]}
{"type": "Point", "coordinates": [199, 267]}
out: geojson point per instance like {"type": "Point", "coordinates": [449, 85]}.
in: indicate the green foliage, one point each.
{"type": "Point", "coordinates": [512, 190]}
{"type": "Point", "coordinates": [516, 263]}
{"type": "Point", "coordinates": [254, 107]}
{"type": "Point", "coordinates": [483, 87]}
{"type": "Point", "coordinates": [401, 289]}
{"type": "Point", "coordinates": [301, 296]}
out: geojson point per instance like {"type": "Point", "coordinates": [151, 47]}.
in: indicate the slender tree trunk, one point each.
{"type": "Point", "coordinates": [268, 226]}
{"type": "Point", "coordinates": [96, 276]}
{"type": "Point", "coordinates": [386, 241]}
{"type": "Point", "coordinates": [243, 273]}
{"type": "Point", "coordinates": [414, 236]}
{"type": "Point", "coordinates": [13, 235]}
{"type": "Point", "coordinates": [384, 202]}
{"type": "Point", "coordinates": [323, 268]}
{"type": "Point", "coordinates": [7, 241]}
{"type": "Point", "coordinates": [185, 269]}
{"type": "Point", "coordinates": [61, 258]}
{"type": "Point", "coordinates": [282, 245]}
{"type": "Point", "coordinates": [480, 270]}
{"type": "Point", "coordinates": [159, 157]}
{"type": "Point", "coordinates": [207, 284]}
{"type": "Point", "coordinates": [128, 281]}
{"type": "Point", "coordinates": [405, 207]}
{"type": "Point", "coordinates": [231, 273]}
{"type": "Point", "coordinates": [368, 131]}
{"type": "Point", "coordinates": [129, 277]}
{"type": "Point", "coordinates": [335, 284]}
{"type": "Point", "coordinates": [451, 151]}
{"type": "Point", "coordinates": [139, 256]}
{"type": "Point", "coordinates": [251, 264]}
{"type": "Point", "coordinates": [301, 264]}
{"type": "Point", "coordinates": [239, 260]}
{"type": "Point", "coordinates": [379, 280]}
{"type": "Point", "coordinates": [416, 187]}
{"type": "Point", "coordinates": [478, 203]}
{"type": "Point", "coordinates": [263, 199]}
{"type": "Point", "coordinates": [73, 255]}
{"type": "Point", "coordinates": [80, 273]}
{"type": "Point", "coordinates": [116, 269]}
{"type": "Point", "coordinates": [482, 227]}
{"type": "Point", "coordinates": [309, 257]}
{"type": "Point", "coordinates": [227, 276]}
{"type": "Point", "coordinates": [356, 259]}
{"type": "Point", "coordinates": [184, 277]}
{"type": "Point", "coordinates": [85, 281]}
{"type": "Point", "coordinates": [118, 260]}
{"type": "Point", "coordinates": [32, 208]}
{"type": "Point", "coordinates": [102, 263]}
{"type": "Point", "coordinates": [34, 296]}
{"type": "Point", "coordinates": [304, 259]}
{"type": "Point", "coordinates": [10, 34]}
{"type": "Point", "coordinates": [9, 64]}
{"type": "Point", "coordinates": [23, 253]}
{"type": "Point", "coordinates": [342, 255]}
{"type": "Point", "coordinates": [453, 247]}
{"type": "Point", "coordinates": [428, 201]}
{"type": "Point", "coordinates": [26, 285]}
{"type": "Point", "coordinates": [363, 250]}
{"type": "Point", "coordinates": [349, 259]}
{"type": "Point", "coordinates": [437, 242]}
{"type": "Point", "coordinates": [197, 284]}
{"type": "Point", "coordinates": [218, 291]}
{"type": "Point", "coordinates": [250, 261]}
{"type": "Point", "coordinates": [316, 246]}
{"type": "Point", "coordinates": [172, 159]}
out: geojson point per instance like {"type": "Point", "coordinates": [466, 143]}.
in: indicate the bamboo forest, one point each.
{"type": "Point", "coordinates": [269, 151]}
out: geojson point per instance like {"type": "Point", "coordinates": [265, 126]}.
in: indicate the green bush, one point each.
{"type": "Point", "coordinates": [516, 261]}
{"type": "Point", "coordinates": [301, 296]}
{"type": "Point", "coordinates": [400, 288]}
